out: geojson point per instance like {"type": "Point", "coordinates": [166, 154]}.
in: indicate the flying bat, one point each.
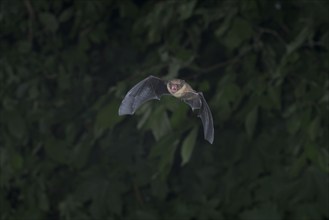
{"type": "Point", "coordinates": [153, 88]}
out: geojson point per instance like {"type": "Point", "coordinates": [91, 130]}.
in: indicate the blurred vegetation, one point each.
{"type": "Point", "coordinates": [66, 154]}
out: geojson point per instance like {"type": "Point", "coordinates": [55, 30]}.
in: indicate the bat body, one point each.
{"type": "Point", "coordinates": [153, 88]}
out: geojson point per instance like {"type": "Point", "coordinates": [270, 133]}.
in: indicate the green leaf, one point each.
{"type": "Point", "coordinates": [251, 121]}
{"type": "Point", "coordinates": [24, 46]}
{"type": "Point", "coordinates": [311, 152]}
{"type": "Point", "coordinates": [179, 117]}
{"type": "Point", "coordinates": [188, 146]}
{"type": "Point", "coordinates": [298, 165]}
{"type": "Point", "coordinates": [275, 96]}
{"type": "Point", "coordinates": [174, 67]}
{"type": "Point", "coordinates": [164, 152]}
{"type": "Point", "coordinates": [186, 9]}
{"type": "Point", "coordinates": [17, 161]}
{"type": "Point", "coordinates": [16, 124]}
{"type": "Point", "coordinates": [293, 125]}
{"type": "Point", "coordinates": [159, 123]}
{"type": "Point", "coordinates": [66, 15]}
{"type": "Point", "coordinates": [306, 211]}
{"type": "Point", "coordinates": [232, 93]}
{"type": "Point", "coordinates": [299, 40]}
{"type": "Point", "coordinates": [224, 26]}
{"type": "Point", "coordinates": [49, 21]}
{"type": "Point", "coordinates": [314, 128]}
{"type": "Point", "coordinates": [80, 154]}
{"type": "Point", "coordinates": [266, 211]}
{"type": "Point", "coordinates": [323, 160]}
{"type": "Point", "coordinates": [57, 150]}
{"type": "Point", "coordinates": [183, 55]}
{"type": "Point", "coordinates": [204, 86]}
{"type": "Point", "coordinates": [159, 188]}
{"type": "Point", "coordinates": [145, 110]}
{"type": "Point", "coordinates": [127, 8]}
{"type": "Point", "coordinates": [240, 31]}
{"type": "Point", "coordinates": [108, 116]}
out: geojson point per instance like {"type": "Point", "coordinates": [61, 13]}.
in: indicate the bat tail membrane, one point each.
{"type": "Point", "coordinates": [207, 120]}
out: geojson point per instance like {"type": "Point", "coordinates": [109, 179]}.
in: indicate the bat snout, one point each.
{"type": "Point", "coordinates": [174, 87]}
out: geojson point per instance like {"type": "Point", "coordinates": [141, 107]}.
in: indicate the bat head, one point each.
{"type": "Point", "coordinates": [175, 85]}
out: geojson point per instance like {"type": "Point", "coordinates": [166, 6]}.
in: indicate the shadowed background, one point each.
{"type": "Point", "coordinates": [66, 154]}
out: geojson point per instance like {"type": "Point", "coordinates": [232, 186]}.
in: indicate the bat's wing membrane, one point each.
{"type": "Point", "coordinates": [193, 100]}
{"type": "Point", "coordinates": [147, 89]}
{"type": "Point", "coordinates": [197, 102]}
{"type": "Point", "coordinates": [207, 120]}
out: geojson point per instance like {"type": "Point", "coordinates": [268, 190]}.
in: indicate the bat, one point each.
{"type": "Point", "coordinates": [153, 88]}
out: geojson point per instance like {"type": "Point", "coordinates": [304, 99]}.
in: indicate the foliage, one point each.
{"type": "Point", "coordinates": [66, 154]}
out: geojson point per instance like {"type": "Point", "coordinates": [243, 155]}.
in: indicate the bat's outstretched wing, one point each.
{"type": "Point", "coordinates": [147, 89]}
{"type": "Point", "coordinates": [207, 120]}
{"type": "Point", "coordinates": [197, 101]}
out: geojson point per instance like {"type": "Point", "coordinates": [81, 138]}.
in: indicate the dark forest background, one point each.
{"type": "Point", "coordinates": [66, 154]}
